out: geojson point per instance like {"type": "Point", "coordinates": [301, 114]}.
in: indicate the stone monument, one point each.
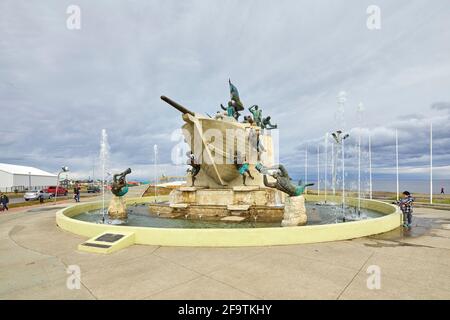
{"type": "Point", "coordinates": [223, 182]}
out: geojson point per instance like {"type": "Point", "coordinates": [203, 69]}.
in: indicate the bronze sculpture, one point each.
{"type": "Point", "coordinates": [257, 114]}
{"type": "Point", "coordinates": [242, 167]}
{"type": "Point", "coordinates": [283, 181]}
{"type": "Point", "coordinates": [119, 186]}
{"type": "Point", "coordinates": [234, 105]}
{"type": "Point", "coordinates": [265, 124]}
{"type": "Point", "coordinates": [195, 167]}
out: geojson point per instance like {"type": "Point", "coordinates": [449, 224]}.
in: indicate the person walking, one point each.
{"type": "Point", "coordinates": [442, 190]}
{"type": "Point", "coordinates": [406, 205]}
{"type": "Point", "coordinates": [4, 200]}
{"type": "Point", "coordinates": [76, 192]}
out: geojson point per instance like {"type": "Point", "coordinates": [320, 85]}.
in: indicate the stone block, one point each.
{"type": "Point", "coordinates": [294, 212]}
{"type": "Point", "coordinates": [117, 209]}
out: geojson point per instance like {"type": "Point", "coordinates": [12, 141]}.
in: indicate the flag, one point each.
{"type": "Point", "coordinates": [234, 94]}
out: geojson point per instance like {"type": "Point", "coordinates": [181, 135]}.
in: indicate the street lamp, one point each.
{"type": "Point", "coordinates": [63, 169]}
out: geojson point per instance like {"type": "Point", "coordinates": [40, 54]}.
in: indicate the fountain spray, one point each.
{"type": "Point", "coordinates": [333, 170]}
{"type": "Point", "coordinates": [155, 149]}
{"type": "Point", "coordinates": [104, 153]}
{"type": "Point", "coordinates": [343, 179]}
{"type": "Point", "coordinates": [360, 110]}
{"type": "Point", "coordinates": [306, 165]}
{"type": "Point", "coordinates": [370, 167]}
{"type": "Point", "coordinates": [326, 166]}
{"type": "Point", "coordinates": [339, 138]}
{"type": "Point", "coordinates": [359, 175]}
{"type": "Point", "coordinates": [318, 169]}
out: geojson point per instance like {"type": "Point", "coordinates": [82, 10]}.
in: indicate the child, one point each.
{"type": "Point", "coordinates": [406, 205]}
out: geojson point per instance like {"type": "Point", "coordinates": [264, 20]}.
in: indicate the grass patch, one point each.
{"type": "Point", "coordinates": [32, 203]}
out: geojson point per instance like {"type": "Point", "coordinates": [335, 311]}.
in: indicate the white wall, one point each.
{"type": "Point", "coordinates": [36, 181]}
{"type": "Point", "coordinates": [6, 180]}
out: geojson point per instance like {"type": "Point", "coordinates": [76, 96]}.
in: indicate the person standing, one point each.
{"type": "Point", "coordinates": [76, 192]}
{"type": "Point", "coordinates": [406, 205]}
{"type": "Point", "coordinates": [4, 200]}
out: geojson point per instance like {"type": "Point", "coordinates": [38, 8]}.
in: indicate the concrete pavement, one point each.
{"type": "Point", "coordinates": [35, 254]}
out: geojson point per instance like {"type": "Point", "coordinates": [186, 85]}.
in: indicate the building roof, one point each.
{"type": "Point", "coordinates": [15, 169]}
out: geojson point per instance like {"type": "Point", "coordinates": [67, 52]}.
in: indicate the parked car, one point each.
{"type": "Point", "coordinates": [61, 191]}
{"type": "Point", "coordinates": [35, 195]}
{"type": "Point", "coordinates": [92, 188]}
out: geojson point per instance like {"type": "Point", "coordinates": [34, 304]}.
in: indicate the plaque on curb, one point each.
{"type": "Point", "coordinates": [110, 237]}
{"type": "Point", "coordinates": [108, 242]}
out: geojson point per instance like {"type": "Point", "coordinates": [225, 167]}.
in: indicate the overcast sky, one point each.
{"type": "Point", "coordinates": [60, 87]}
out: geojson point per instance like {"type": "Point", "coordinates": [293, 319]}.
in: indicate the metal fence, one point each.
{"type": "Point", "coordinates": [18, 189]}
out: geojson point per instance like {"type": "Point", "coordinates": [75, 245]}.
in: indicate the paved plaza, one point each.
{"type": "Point", "coordinates": [35, 256]}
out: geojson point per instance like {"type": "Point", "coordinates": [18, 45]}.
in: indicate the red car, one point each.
{"type": "Point", "coordinates": [61, 190]}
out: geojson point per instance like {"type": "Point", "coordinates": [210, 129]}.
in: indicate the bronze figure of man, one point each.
{"type": "Point", "coordinates": [283, 181]}
{"type": "Point", "coordinates": [195, 167]}
{"type": "Point", "coordinates": [119, 186]}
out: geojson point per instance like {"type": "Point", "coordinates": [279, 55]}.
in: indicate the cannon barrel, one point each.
{"type": "Point", "coordinates": [177, 106]}
{"type": "Point", "coordinates": [122, 174]}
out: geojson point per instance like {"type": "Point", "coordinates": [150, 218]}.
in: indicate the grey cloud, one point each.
{"type": "Point", "coordinates": [62, 87]}
{"type": "Point", "coordinates": [441, 106]}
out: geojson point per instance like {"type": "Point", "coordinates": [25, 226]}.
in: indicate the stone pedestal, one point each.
{"type": "Point", "coordinates": [294, 212]}
{"type": "Point", "coordinates": [117, 209]}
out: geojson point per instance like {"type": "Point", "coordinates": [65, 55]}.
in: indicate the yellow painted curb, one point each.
{"type": "Point", "coordinates": [238, 237]}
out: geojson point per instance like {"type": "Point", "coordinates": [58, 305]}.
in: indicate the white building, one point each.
{"type": "Point", "coordinates": [20, 177]}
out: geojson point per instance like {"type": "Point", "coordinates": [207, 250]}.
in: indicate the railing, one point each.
{"type": "Point", "coordinates": [18, 189]}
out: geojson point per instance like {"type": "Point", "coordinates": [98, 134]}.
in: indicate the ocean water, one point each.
{"type": "Point", "coordinates": [414, 186]}
{"type": "Point", "coordinates": [389, 185]}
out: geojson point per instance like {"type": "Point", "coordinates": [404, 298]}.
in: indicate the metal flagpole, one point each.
{"type": "Point", "coordinates": [396, 162]}
{"type": "Point", "coordinates": [431, 163]}
{"type": "Point", "coordinates": [370, 166]}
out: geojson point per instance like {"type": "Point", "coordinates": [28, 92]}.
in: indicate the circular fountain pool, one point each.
{"type": "Point", "coordinates": [381, 217]}
{"type": "Point", "coordinates": [140, 215]}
